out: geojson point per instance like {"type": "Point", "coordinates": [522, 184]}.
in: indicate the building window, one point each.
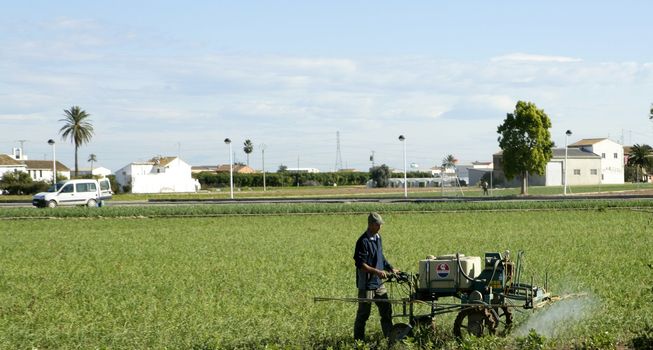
{"type": "Point", "coordinates": [40, 173]}
{"type": "Point", "coordinates": [594, 172]}
{"type": "Point", "coordinates": [601, 176]}
{"type": "Point", "coordinates": [576, 171]}
{"type": "Point", "coordinates": [603, 155]}
{"type": "Point", "coordinates": [616, 156]}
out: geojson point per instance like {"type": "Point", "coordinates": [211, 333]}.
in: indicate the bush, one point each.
{"type": "Point", "coordinates": [21, 183]}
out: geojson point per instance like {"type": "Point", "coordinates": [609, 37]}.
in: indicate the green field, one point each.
{"type": "Point", "coordinates": [248, 281]}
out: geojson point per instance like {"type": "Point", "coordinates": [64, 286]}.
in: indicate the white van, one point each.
{"type": "Point", "coordinates": [89, 192]}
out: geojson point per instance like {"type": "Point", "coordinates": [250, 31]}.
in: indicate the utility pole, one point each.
{"type": "Point", "coordinates": [263, 161]}
{"type": "Point", "coordinates": [298, 171]}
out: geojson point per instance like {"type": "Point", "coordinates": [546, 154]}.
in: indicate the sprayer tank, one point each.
{"type": "Point", "coordinates": [442, 272]}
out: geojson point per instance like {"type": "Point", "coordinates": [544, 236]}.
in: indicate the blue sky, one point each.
{"type": "Point", "coordinates": [168, 78]}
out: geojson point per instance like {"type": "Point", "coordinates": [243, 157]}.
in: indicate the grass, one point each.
{"type": "Point", "coordinates": [153, 211]}
{"type": "Point", "coordinates": [248, 282]}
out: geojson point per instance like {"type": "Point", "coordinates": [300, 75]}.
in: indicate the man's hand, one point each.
{"type": "Point", "coordinates": [382, 274]}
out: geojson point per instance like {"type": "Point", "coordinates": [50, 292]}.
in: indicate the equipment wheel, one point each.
{"type": "Point", "coordinates": [91, 203]}
{"type": "Point", "coordinates": [475, 321]}
{"type": "Point", "coordinates": [52, 204]}
{"type": "Point", "coordinates": [505, 313]}
{"type": "Point", "coordinates": [399, 332]}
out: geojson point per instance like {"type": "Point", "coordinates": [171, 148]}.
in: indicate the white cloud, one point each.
{"type": "Point", "coordinates": [524, 57]}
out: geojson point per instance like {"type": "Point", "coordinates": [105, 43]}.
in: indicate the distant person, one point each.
{"type": "Point", "coordinates": [371, 268]}
{"type": "Point", "coordinates": [484, 186]}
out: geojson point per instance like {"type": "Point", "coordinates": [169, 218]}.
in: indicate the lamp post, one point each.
{"type": "Point", "coordinates": [567, 134]}
{"type": "Point", "coordinates": [54, 163]}
{"type": "Point", "coordinates": [263, 146]}
{"type": "Point", "coordinates": [403, 140]}
{"type": "Point", "coordinates": [231, 168]}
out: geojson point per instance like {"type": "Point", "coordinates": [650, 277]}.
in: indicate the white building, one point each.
{"type": "Point", "coordinates": [38, 170]}
{"type": "Point", "coordinates": [160, 174]}
{"type": "Point", "coordinates": [612, 158]}
{"type": "Point", "coordinates": [96, 171]}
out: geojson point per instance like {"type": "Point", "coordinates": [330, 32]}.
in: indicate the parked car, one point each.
{"type": "Point", "coordinates": [89, 192]}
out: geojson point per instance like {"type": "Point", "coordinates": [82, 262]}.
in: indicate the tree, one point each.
{"type": "Point", "coordinates": [526, 142]}
{"type": "Point", "coordinates": [380, 175]}
{"type": "Point", "coordinates": [449, 161]}
{"type": "Point", "coordinates": [248, 148]}
{"type": "Point", "coordinates": [77, 127]}
{"type": "Point", "coordinates": [92, 158]}
{"type": "Point", "coordinates": [282, 169]}
{"type": "Point", "coordinates": [640, 157]}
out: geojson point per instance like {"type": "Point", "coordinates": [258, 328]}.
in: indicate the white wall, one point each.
{"type": "Point", "coordinates": [162, 183]}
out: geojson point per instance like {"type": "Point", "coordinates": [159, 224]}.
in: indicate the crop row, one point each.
{"type": "Point", "coordinates": [181, 210]}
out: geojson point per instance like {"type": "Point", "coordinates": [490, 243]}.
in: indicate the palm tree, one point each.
{"type": "Point", "coordinates": [92, 158]}
{"type": "Point", "coordinates": [77, 127]}
{"type": "Point", "coordinates": [449, 161]}
{"type": "Point", "coordinates": [249, 148]}
{"type": "Point", "coordinates": [640, 156]}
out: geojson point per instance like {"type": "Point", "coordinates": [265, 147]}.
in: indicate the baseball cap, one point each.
{"type": "Point", "coordinates": [374, 218]}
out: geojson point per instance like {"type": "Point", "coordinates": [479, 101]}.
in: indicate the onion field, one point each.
{"type": "Point", "coordinates": [246, 282]}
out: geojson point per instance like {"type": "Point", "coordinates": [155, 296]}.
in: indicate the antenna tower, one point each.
{"type": "Point", "coordinates": [338, 154]}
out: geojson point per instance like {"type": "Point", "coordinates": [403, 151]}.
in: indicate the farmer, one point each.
{"type": "Point", "coordinates": [371, 268]}
{"type": "Point", "coordinates": [484, 186]}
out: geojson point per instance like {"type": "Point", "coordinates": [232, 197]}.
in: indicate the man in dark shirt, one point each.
{"type": "Point", "coordinates": [371, 267]}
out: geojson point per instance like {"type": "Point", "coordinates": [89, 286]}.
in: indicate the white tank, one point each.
{"type": "Point", "coordinates": [442, 272]}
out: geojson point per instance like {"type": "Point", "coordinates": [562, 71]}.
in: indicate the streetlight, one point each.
{"type": "Point", "coordinates": [231, 168]}
{"type": "Point", "coordinates": [567, 134]}
{"type": "Point", "coordinates": [403, 140]}
{"type": "Point", "coordinates": [263, 146]}
{"type": "Point", "coordinates": [54, 163]}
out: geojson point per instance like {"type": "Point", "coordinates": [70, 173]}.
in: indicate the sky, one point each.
{"type": "Point", "coordinates": [173, 78]}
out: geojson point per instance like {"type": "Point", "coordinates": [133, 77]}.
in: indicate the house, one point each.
{"type": "Point", "coordinates": [237, 168]}
{"type": "Point", "coordinates": [41, 170]}
{"type": "Point", "coordinates": [159, 174]}
{"type": "Point", "coordinates": [96, 171]}
{"type": "Point", "coordinates": [9, 164]}
{"type": "Point", "coordinates": [612, 158]}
